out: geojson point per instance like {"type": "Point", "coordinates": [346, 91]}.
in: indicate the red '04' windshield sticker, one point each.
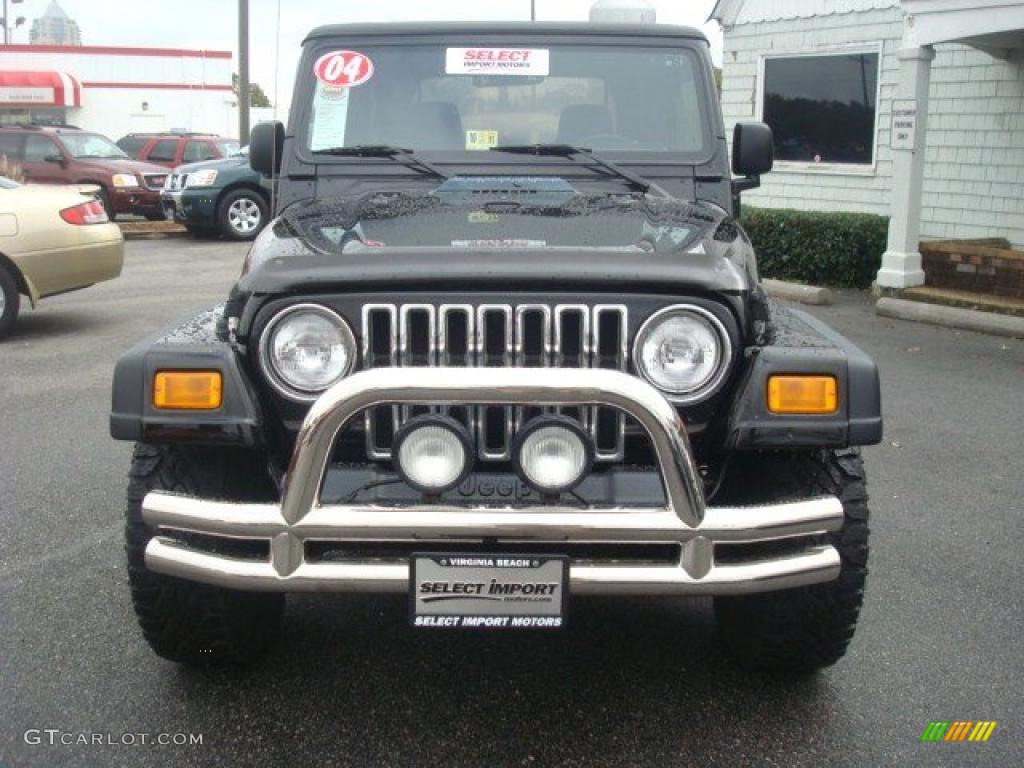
{"type": "Point", "coordinates": [343, 68]}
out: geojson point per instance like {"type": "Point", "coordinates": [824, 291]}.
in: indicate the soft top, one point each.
{"type": "Point", "coordinates": [492, 28]}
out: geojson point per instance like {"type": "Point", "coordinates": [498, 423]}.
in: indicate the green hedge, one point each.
{"type": "Point", "coordinates": [820, 248]}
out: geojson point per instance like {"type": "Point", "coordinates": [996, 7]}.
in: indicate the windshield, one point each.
{"type": "Point", "coordinates": [443, 98]}
{"type": "Point", "coordinates": [91, 145]}
{"type": "Point", "coordinates": [228, 148]}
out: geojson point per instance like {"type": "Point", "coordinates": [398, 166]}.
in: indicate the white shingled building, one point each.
{"type": "Point", "coordinates": [907, 108]}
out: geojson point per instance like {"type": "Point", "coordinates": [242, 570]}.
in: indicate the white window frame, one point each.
{"type": "Point", "coordinates": [836, 169]}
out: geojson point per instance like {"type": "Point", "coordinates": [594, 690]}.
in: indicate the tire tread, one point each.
{"type": "Point", "coordinates": [808, 628]}
{"type": "Point", "coordinates": [185, 621]}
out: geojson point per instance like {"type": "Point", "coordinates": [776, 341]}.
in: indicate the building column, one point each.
{"type": "Point", "coordinates": [901, 264]}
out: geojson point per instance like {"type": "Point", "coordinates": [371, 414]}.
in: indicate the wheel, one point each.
{"type": "Point", "coordinates": [808, 628]}
{"type": "Point", "coordinates": [185, 621]}
{"type": "Point", "coordinates": [104, 198]}
{"type": "Point", "coordinates": [155, 217]}
{"type": "Point", "coordinates": [10, 301]}
{"type": "Point", "coordinates": [241, 214]}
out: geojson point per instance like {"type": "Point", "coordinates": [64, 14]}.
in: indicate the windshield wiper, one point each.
{"type": "Point", "coordinates": [568, 150]}
{"type": "Point", "coordinates": [405, 156]}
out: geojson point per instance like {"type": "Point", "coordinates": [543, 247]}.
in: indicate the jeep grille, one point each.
{"type": "Point", "coordinates": [495, 335]}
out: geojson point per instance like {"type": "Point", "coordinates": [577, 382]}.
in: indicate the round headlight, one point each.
{"type": "Point", "coordinates": [432, 453]}
{"type": "Point", "coordinates": [305, 349]}
{"type": "Point", "coordinates": [684, 351]}
{"type": "Point", "coordinates": [553, 454]}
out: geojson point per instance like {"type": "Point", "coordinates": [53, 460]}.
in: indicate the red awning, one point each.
{"type": "Point", "coordinates": [39, 89]}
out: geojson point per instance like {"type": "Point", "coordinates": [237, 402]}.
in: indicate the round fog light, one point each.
{"type": "Point", "coordinates": [432, 453]}
{"type": "Point", "coordinates": [553, 454]}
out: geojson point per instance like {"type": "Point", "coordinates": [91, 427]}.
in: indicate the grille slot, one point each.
{"type": "Point", "coordinates": [610, 342]}
{"type": "Point", "coordinates": [495, 347]}
{"type": "Point", "coordinates": [495, 336]}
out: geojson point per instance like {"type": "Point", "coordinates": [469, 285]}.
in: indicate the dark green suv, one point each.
{"type": "Point", "coordinates": [224, 196]}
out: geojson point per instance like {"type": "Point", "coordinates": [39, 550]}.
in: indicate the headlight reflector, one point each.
{"type": "Point", "coordinates": [553, 454]}
{"type": "Point", "coordinates": [305, 349]}
{"type": "Point", "coordinates": [123, 180]}
{"type": "Point", "coordinates": [684, 351]}
{"type": "Point", "coordinates": [432, 453]}
{"type": "Point", "coordinates": [201, 179]}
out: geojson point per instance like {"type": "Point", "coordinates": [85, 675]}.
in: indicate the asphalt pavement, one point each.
{"type": "Point", "coordinates": [630, 683]}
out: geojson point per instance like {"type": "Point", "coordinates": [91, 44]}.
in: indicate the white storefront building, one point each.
{"type": "Point", "coordinates": [118, 90]}
{"type": "Point", "coordinates": [912, 109]}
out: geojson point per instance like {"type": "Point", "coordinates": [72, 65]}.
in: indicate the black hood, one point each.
{"type": "Point", "coordinates": [507, 232]}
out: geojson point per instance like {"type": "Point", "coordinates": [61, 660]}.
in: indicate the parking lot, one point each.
{"type": "Point", "coordinates": [630, 683]}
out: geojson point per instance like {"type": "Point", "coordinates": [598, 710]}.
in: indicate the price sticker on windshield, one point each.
{"type": "Point", "coordinates": [535, 62]}
{"type": "Point", "coordinates": [345, 69]}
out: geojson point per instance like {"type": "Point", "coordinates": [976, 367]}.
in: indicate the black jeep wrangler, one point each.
{"type": "Point", "coordinates": [503, 347]}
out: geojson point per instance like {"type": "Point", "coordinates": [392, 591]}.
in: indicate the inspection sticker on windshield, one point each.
{"type": "Point", "coordinates": [534, 62]}
{"type": "Point", "coordinates": [488, 591]}
{"type": "Point", "coordinates": [481, 140]}
{"type": "Point", "coordinates": [343, 69]}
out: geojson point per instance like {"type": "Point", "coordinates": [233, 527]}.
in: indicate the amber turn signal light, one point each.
{"type": "Point", "coordinates": [803, 394]}
{"type": "Point", "coordinates": [188, 390]}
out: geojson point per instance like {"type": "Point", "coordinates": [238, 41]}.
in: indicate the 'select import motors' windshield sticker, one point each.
{"type": "Point", "coordinates": [534, 62]}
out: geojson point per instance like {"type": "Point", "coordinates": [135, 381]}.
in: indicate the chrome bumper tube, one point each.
{"type": "Point", "coordinates": [684, 519]}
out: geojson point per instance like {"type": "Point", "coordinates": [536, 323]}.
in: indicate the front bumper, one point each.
{"type": "Point", "coordinates": [196, 207]}
{"type": "Point", "coordinates": [684, 519]}
{"type": "Point", "coordinates": [135, 200]}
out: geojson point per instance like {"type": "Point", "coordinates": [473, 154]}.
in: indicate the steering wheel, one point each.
{"type": "Point", "coordinates": [609, 141]}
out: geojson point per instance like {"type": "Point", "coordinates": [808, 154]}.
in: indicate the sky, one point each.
{"type": "Point", "coordinates": [212, 24]}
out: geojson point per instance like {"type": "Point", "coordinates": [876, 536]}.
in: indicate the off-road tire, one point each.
{"type": "Point", "coordinates": [804, 629]}
{"type": "Point", "coordinates": [11, 301]}
{"type": "Point", "coordinates": [252, 200]}
{"type": "Point", "coordinates": [184, 621]}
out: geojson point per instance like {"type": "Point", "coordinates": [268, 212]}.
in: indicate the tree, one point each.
{"type": "Point", "coordinates": [257, 98]}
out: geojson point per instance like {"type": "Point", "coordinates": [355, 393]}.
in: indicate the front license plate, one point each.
{"type": "Point", "coordinates": [494, 591]}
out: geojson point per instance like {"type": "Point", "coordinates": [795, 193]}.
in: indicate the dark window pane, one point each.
{"type": "Point", "coordinates": [132, 145]}
{"type": "Point", "coordinates": [38, 148]}
{"type": "Point", "coordinates": [822, 108]}
{"type": "Point", "coordinates": [10, 146]}
{"type": "Point", "coordinates": [164, 151]}
{"type": "Point", "coordinates": [199, 150]}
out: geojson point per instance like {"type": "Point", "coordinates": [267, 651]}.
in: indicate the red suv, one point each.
{"type": "Point", "coordinates": [174, 149]}
{"type": "Point", "coordinates": [69, 155]}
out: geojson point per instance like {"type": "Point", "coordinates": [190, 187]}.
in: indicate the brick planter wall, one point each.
{"type": "Point", "coordinates": [981, 267]}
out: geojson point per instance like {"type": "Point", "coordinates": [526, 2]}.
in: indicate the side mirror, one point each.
{"type": "Point", "coordinates": [58, 159]}
{"type": "Point", "coordinates": [266, 143]}
{"type": "Point", "coordinates": [753, 151]}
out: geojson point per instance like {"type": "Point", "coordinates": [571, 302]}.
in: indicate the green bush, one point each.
{"type": "Point", "coordinates": [816, 247]}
